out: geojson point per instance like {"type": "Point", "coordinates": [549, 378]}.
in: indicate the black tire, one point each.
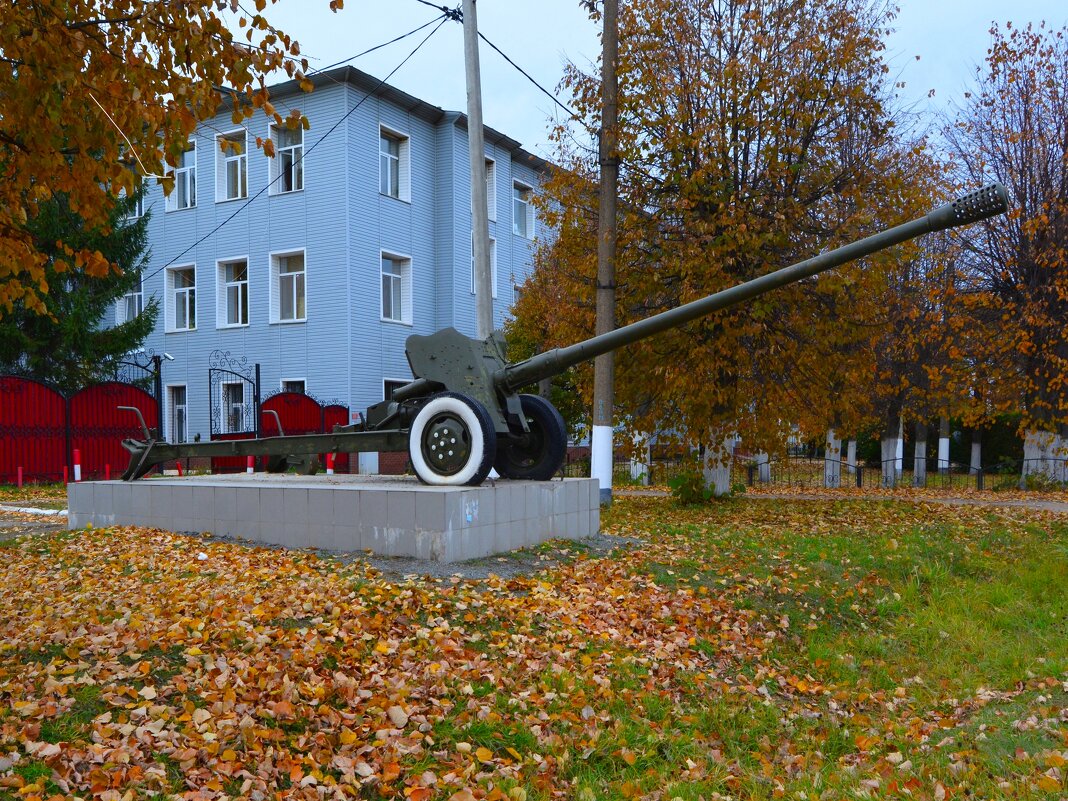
{"type": "Point", "coordinates": [452, 441]}
{"type": "Point", "coordinates": [538, 455]}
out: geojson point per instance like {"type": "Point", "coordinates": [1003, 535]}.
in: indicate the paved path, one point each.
{"type": "Point", "coordinates": [1059, 507]}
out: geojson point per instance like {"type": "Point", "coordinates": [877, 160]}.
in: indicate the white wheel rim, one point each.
{"type": "Point", "coordinates": [474, 428]}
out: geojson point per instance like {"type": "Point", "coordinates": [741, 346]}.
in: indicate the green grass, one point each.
{"type": "Point", "coordinates": [75, 724]}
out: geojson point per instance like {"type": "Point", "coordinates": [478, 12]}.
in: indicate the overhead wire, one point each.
{"type": "Point", "coordinates": [304, 152]}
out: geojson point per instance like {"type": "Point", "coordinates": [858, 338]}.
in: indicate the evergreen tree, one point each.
{"type": "Point", "coordinates": [74, 342]}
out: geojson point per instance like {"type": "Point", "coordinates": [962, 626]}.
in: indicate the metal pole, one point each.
{"type": "Point", "coordinates": [256, 407]}
{"type": "Point", "coordinates": [479, 208]}
{"type": "Point", "coordinates": [601, 455]}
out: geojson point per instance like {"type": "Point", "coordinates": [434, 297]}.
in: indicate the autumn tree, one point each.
{"type": "Point", "coordinates": [753, 134]}
{"type": "Point", "coordinates": [97, 93]}
{"type": "Point", "coordinates": [1014, 127]}
{"type": "Point", "coordinates": [75, 341]}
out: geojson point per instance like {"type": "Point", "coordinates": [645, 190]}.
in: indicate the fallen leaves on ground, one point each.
{"type": "Point", "coordinates": [746, 650]}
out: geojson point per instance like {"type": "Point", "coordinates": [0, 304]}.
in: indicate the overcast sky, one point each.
{"type": "Point", "coordinates": [950, 37]}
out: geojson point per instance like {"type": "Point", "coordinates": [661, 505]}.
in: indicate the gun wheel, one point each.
{"type": "Point", "coordinates": [536, 455]}
{"type": "Point", "coordinates": [452, 441]}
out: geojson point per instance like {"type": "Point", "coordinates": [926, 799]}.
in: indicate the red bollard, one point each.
{"type": "Point", "coordinates": [65, 475]}
{"type": "Point", "coordinates": [20, 472]}
{"type": "Point", "coordinates": [251, 464]}
{"type": "Point", "coordinates": [107, 472]}
{"type": "Point", "coordinates": [77, 465]}
{"type": "Point", "coordinates": [179, 463]}
{"type": "Point", "coordinates": [330, 462]}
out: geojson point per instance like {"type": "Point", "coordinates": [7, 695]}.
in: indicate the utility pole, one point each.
{"type": "Point", "coordinates": [601, 455]}
{"type": "Point", "coordinates": [479, 210]}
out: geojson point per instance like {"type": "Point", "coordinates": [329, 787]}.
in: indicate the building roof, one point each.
{"type": "Point", "coordinates": [433, 114]}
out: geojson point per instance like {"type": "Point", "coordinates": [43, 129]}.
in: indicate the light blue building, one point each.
{"type": "Point", "coordinates": [358, 235]}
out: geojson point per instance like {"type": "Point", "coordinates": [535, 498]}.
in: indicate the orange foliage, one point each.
{"type": "Point", "coordinates": [97, 94]}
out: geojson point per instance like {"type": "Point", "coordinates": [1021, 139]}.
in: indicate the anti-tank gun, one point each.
{"type": "Point", "coordinates": [464, 414]}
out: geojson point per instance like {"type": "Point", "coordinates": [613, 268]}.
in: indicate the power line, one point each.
{"type": "Point", "coordinates": [304, 153]}
{"type": "Point", "coordinates": [526, 75]}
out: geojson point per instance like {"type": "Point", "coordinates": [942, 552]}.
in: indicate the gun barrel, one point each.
{"type": "Point", "coordinates": [987, 202]}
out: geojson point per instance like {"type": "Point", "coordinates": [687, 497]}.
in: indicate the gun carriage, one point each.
{"type": "Point", "coordinates": [464, 413]}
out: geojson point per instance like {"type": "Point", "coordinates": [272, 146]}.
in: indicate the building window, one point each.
{"type": "Point", "coordinates": [181, 298]}
{"type": "Point", "coordinates": [184, 194]}
{"type": "Point", "coordinates": [179, 414]}
{"type": "Point", "coordinates": [233, 297]}
{"type": "Point", "coordinates": [295, 385]}
{"type": "Point", "coordinates": [517, 293]}
{"type": "Point", "coordinates": [234, 407]}
{"type": "Point", "coordinates": [394, 164]}
{"type": "Point", "coordinates": [396, 288]}
{"type": "Point", "coordinates": [231, 179]}
{"type": "Point", "coordinates": [137, 207]}
{"type": "Point", "coordinates": [493, 265]}
{"type": "Point", "coordinates": [288, 162]}
{"type": "Point", "coordinates": [390, 386]}
{"type": "Point", "coordinates": [288, 287]}
{"type": "Point", "coordinates": [522, 211]}
{"type": "Point", "coordinates": [491, 189]}
{"type": "Point", "coordinates": [132, 303]}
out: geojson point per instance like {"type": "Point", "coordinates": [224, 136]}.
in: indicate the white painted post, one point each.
{"type": "Point", "coordinates": [832, 461]}
{"type": "Point", "coordinates": [899, 450]}
{"type": "Point", "coordinates": [943, 445]}
{"type": "Point", "coordinates": [851, 457]}
{"type": "Point", "coordinates": [919, 457]}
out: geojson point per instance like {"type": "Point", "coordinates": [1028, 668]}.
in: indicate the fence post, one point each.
{"type": "Point", "coordinates": [257, 407]}
{"type": "Point", "coordinates": [860, 476]}
{"type": "Point", "coordinates": [751, 470]}
{"type": "Point", "coordinates": [979, 480]}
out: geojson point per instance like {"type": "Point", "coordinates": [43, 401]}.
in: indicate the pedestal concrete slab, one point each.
{"type": "Point", "coordinates": [389, 515]}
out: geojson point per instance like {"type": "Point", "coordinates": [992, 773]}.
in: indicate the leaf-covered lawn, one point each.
{"type": "Point", "coordinates": [750, 649]}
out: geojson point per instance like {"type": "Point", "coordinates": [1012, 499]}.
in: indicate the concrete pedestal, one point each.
{"type": "Point", "coordinates": [389, 515]}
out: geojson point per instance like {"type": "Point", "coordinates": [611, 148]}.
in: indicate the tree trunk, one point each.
{"type": "Point", "coordinates": [890, 443]}
{"type": "Point", "coordinates": [717, 466]}
{"type": "Point", "coordinates": [919, 462]}
{"type": "Point", "coordinates": [639, 463]}
{"type": "Point", "coordinates": [763, 465]}
{"type": "Point", "coordinates": [977, 452]}
{"type": "Point", "coordinates": [1038, 451]}
{"type": "Point", "coordinates": [943, 445]}
{"type": "Point", "coordinates": [851, 457]}
{"type": "Point", "coordinates": [899, 451]}
{"type": "Point", "coordinates": [832, 461]}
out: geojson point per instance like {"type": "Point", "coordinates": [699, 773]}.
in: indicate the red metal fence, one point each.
{"type": "Point", "coordinates": [299, 414]}
{"type": "Point", "coordinates": [40, 429]}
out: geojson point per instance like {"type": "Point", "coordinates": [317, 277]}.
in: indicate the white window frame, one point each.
{"type": "Point", "coordinates": [187, 175]}
{"type": "Point", "coordinates": [137, 295]}
{"type": "Point", "coordinates": [297, 154]}
{"type": "Point", "coordinates": [491, 189]}
{"type": "Point", "coordinates": [283, 381]}
{"type": "Point", "coordinates": [172, 408]}
{"type": "Point", "coordinates": [276, 288]}
{"type": "Point", "coordinates": [170, 292]}
{"type": "Point", "coordinates": [228, 408]}
{"type": "Point", "coordinates": [529, 216]}
{"type": "Point", "coordinates": [406, 287]}
{"type": "Point", "coordinates": [404, 162]}
{"type": "Point", "coordinates": [138, 210]}
{"type": "Point", "coordinates": [223, 159]}
{"type": "Point", "coordinates": [222, 293]}
{"type": "Point", "coordinates": [493, 265]}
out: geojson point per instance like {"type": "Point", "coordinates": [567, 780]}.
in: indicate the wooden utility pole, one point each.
{"type": "Point", "coordinates": [479, 209]}
{"type": "Point", "coordinates": [604, 367]}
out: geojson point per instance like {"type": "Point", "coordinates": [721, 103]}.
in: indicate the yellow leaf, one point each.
{"type": "Point", "coordinates": [484, 754]}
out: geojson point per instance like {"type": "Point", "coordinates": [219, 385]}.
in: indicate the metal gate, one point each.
{"type": "Point", "coordinates": [234, 404]}
{"type": "Point", "coordinates": [33, 430]}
